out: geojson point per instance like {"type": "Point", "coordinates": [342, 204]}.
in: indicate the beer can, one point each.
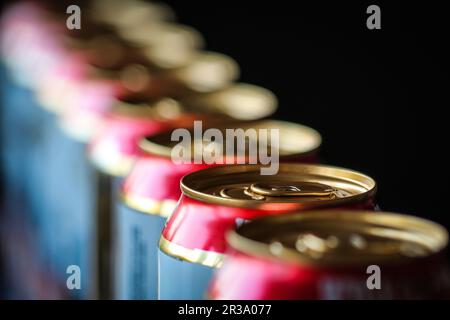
{"type": "Point", "coordinates": [114, 134]}
{"type": "Point", "coordinates": [70, 182]}
{"type": "Point", "coordinates": [86, 94]}
{"type": "Point", "coordinates": [21, 128]}
{"type": "Point", "coordinates": [74, 238]}
{"type": "Point", "coordinates": [156, 167]}
{"type": "Point", "coordinates": [29, 47]}
{"type": "Point", "coordinates": [216, 200]}
{"type": "Point", "coordinates": [335, 255]}
{"type": "Point", "coordinates": [140, 213]}
{"type": "Point", "coordinates": [63, 193]}
{"type": "Point", "coordinates": [69, 78]}
{"type": "Point", "coordinates": [113, 151]}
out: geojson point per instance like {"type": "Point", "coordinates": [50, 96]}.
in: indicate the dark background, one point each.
{"type": "Point", "coordinates": [378, 97]}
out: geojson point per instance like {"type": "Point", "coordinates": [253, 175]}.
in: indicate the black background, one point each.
{"type": "Point", "coordinates": [378, 97]}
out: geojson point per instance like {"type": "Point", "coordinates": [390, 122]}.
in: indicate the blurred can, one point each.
{"type": "Point", "coordinates": [67, 200]}
{"type": "Point", "coordinates": [76, 73]}
{"type": "Point", "coordinates": [112, 151]}
{"type": "Point", "coordinates": [339, 255]}
{"type": "Point", "coordinates": [114, 145]}
{"type": "Point", "coordinates": [137, 276]}
{"type": "Point", "coordinates": [216, 200]}
{"type": "Point", "coordinates": [26, 44]}
{"type": "Point", "coordinates": [138, 221]}
{"type": "Point", "coordinates": [30, 47]}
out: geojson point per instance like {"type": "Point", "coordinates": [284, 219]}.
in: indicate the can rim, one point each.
{"type": "Point", "coordinates": [259, 102]}
{"type": "Point", "coordinates": [237, 239]}
{"type": "Point", "coordinates": [206, 258]}
{"type": "Point", "coordinates": [202, 72]}
{"type": "Point", "coordinates": [188, 186]}
{"type": "Point", "coordinates": [151, 145]}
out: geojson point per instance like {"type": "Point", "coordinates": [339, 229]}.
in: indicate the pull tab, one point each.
{"type": "Point", "coordinates": [239, 193]}
{"type": "Point", "coordinates": [303, 189]}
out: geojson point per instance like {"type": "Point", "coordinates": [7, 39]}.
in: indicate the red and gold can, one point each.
{"type": "Point", "coordinates": [216, 200]}
{"type": "Point", "coordinates": [335, 255]}
{"type": "Point", "coordinates": [142, 212]}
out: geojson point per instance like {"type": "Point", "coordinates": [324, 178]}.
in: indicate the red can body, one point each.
{"type": "Point", "coordinates": [245, 278]}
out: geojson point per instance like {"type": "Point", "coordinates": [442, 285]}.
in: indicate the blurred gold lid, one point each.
{"type": "Point", "coordinates": [166, 45]}
{"type": "Point", "coordinates": [339, 237]}
{"type": "Point", "coordinates": [207, 71]}
{"type": "Point", "coordinates": [239, 101]}
{"type": "Point", "coordinates": [128, 13]}
{"type": "Point", "coordinates": [295, 139]}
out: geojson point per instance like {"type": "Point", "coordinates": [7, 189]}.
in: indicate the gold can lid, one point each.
{"type": "Point", "coordinates": [294, 139]}
{"type": "Point", "coordinates": [165, 45]}
{"type": "Point", "coordinates": [241, 101]}
{"type": "Point", "coordinates": [206, 71]}
{"type": "Point", "coordinates": [339, 237]}
{"type": "Point", "coordinates": [300, 186]}
{"type": "Point", "coordinates": [126, 14]}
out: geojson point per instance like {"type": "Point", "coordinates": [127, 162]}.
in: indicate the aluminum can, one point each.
{"type": "Point", "coordinates": [70, 75]}
{"type": "Point", "coordinates": [155, 167]}
{"type": "Point", "coordinates": [335, 254]}
{"type": "Point", "coordinates": [113, 151]}
{"type": "Point", "coordinates": [137, 210]}
{"type": "Point", "coordinates": [86, 97]}
{"type": "Point", "coordinates": [88, 115]}
{"type": "Point", "coordinates": [216, 200]}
